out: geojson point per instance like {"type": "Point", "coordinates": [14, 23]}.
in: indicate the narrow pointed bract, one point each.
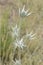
{"type": "Point", "coordinates": [28, 14]}
{"type": "Point", "coordinates": [23, 9]}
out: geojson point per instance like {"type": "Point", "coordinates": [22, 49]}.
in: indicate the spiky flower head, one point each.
{"type": "Point", "coordinates": [30, 35]}
{"type": "Point", "coordinates": [18, 62]}
{"type": "Point", "coordinates": [16, 30]}
{"type": "Point", "coordinates": [20, 43]}
{"type": "Point", "coordinates": [23, 12]}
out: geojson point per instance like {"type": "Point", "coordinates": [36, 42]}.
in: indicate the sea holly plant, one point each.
{"type": "Point", "coordinates": [20, 41]}
{"type": "Point", "coordinates": [23, 12]}
{"type": "Point", "coordinates": [13, 45]}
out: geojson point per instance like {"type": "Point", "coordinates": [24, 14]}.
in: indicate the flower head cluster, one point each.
{"type": "Point", "coordinates": [20, 43]}
{"type": "Point", "coordinates": [15, 31]}
{"type": "Point", "coordinates": [31, 35]}
{"type": "Point", "coordinates": [17, 62]}
{"type": "Point", "coordinates": [23, 12]}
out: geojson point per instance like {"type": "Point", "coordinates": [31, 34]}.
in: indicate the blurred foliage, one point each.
{"type": "Point", "coordinates": [5, 37]}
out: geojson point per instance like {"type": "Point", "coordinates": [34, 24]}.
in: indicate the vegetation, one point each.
{"type": "Point", "coordinates": [21, 32]}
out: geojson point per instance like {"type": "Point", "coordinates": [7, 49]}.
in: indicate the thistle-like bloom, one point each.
{"type": "Point", "coordinates": [15, 31]}
{"type": "Point", "coordinates": [23, 12]}
{"type": "Point", "coordinates": [31, 35]}
{"type": "Point", "coordinates": [17, 62]}
{"type": "Point", "coordinates": [20, 43]}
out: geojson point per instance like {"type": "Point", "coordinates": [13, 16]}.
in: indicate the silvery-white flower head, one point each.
{"type": "Point", "coordinates": [31, 35]}
{"type": "Point", "coordinates": [23, 12]}
{"type": "Point", "coordinates": [18, 62]}
{"type": "Point", "coordinates": [15, 31]}
{"type": "Point", "coordinates": [20, 43]}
